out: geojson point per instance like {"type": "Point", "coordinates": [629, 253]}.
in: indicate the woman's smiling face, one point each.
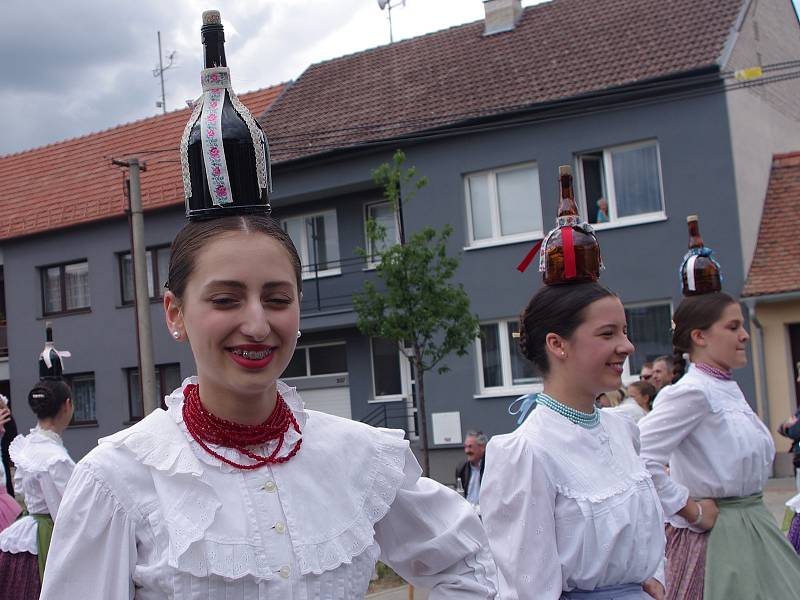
{"type": "Point", "coordinates": [240, 312]}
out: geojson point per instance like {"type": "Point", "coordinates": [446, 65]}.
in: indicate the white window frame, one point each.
{"type": "Point", "coordinates": [372, 260]}
{"type": "Point", "coordinates": [305, 348]}
{"type": "Point", "coordinates": [405, 378]}
{"type": "Point", "coordinates": [304, 251]}
{"type": "Point", "coordinates": [497, 238]}
{"type": "Point", "coordinates": [508, 388]}
{"type": "Point", "coordinates": [627, 376]}
{"type": "Point", "coordinates": [610, 192]}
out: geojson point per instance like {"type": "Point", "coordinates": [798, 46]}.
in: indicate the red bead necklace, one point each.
{"type": "Point", "coordinates": [206, 429]}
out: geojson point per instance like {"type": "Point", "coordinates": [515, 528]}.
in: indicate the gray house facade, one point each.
{"type": "Point", "coordinates": [659, 134]}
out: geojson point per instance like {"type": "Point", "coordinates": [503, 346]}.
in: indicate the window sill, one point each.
{"type": "Point", "coordinates": [630, 221]}
{"type": "Point", "coordinates": [535, 236]}
{"type": "Point", "coordinates": [82, 425]}
{"type": "Point", "coordinates": [386, 399]}
{"type": "Point", "coordinates": [66, 313]}
{"type": "Point", "coordinates": [322, 274]}
{"type": "Point", "coordinates": [508, 392]}
{"type": "Point", "coordinates": [131, 304]}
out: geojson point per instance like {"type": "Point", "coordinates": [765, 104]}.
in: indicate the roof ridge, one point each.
{"type": "Point", "coordinates": [135, 122]}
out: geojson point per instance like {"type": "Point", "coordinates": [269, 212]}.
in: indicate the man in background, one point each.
{"type": "Point", "coordinates": [471, 471]}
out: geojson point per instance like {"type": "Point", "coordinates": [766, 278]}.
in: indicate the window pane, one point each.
{"type": "Point", "coordinates": [490, 356]}
{"type": "Point", "coordinates": [384, 215]}
{"type": "Point", "coordinates": [480, 207]}
{"type": "Point", "coordinates": [294, 227]}
{"type": "Point", "coordinates": [386, 366]}
{"type": "Point", "coordinates": [650, 330]}
{"type": "Point", "coordinates": [522, 371]}
{"type": "Point", "coordinates": [76, 282]}
{"type": "Point", "coordinates": [170, 375]}
{"type": "Point", "coordinates": [126, 273]}
{"type": "Point", "coordinates": [297, 366]}
{"type": "Point", "coordinates": [594, 187]}
{"type": "Point", "coordinates": [83, 399]}
{"type": "Point", "coordinates": [162, 260]}
{"type": "Point", "coordinates": [148, 259]}
{"type": "Point", "coordinates": [52, 290]}
{"type": "Point", "coordinates": [520, 202]}
{"type": "Point", "coordinates": [327, 359]}
{"type": "Point", "coordinates": [135, 405]}
{"type": "Point", "coordinates": [637, 187]}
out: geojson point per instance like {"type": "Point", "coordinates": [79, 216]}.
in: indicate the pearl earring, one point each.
{"type": "Point", "coordinates": [176, 335]}
{"type": "Point", "coordinates": [298, 334]}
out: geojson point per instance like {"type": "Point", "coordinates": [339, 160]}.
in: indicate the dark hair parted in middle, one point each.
{"type": "Point", "coordinates": [555, 309]}
{"type": "Point", "coordinates": [695, 312]}
{"type": "Point", "coordinates": [47, 397]}
{"type": "Point", "coordinates": [196, 234]}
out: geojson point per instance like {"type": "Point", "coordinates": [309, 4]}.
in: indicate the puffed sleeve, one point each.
{"type": "Point", "coordinates": [432, 538]}
{"type": "Point", "coordinates": [674, 417]}
{"type": "Point", "coordinates": [54, 481]}
{"type": "Point", "coordinates": [93, 550]}
{"type": "Point", "coordinates": [518, 507]}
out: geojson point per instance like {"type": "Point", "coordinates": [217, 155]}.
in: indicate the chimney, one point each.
{"type": "Point", "coordinates": [501, 15]}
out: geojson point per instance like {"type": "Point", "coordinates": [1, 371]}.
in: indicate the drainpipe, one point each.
{"type": "Point", "coordinates": [758, 350]}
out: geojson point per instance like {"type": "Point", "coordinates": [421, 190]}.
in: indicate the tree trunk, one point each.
{"type": "Point", "coordinates": [421, 414]}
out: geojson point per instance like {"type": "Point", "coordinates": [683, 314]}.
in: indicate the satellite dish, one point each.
{"type": "Point", "coordinates": [383, 3]}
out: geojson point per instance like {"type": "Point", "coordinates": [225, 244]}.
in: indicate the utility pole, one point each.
{"type": "Point", "coordinates": [147, 371]}
{"type": "Point", "coordinates": [159, 72]}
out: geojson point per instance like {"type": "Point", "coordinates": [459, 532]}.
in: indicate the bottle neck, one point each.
{"type": "Point", "coordinates": [567, 206]}
{"type": "Point", "coordinates": [213, 46]}
{"type": "Point", "coordinates": [695, 241]}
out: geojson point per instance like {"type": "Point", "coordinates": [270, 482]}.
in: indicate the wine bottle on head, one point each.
{"type": "Point", "coordinates": [571, 253]}
{"type": "Point", "coordinates": [224, 152]}
{"type": "Point", "coordinates": [49, 361]}
{"type": "Point", "coordinates": [699, 271]}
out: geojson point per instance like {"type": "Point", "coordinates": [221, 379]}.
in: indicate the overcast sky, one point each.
{"type": "Point", "coordinates": [81, 66]}
{"type": "Point", "coordinates": [85, 65]}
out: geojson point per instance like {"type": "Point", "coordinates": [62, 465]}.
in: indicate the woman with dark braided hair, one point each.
{"type": "Point", "coordinates": [43, 468]}
{"type": "Point", "coordinates": [722, 543]}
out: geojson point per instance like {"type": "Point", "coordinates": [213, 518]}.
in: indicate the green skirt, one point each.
{"type": "Point", "coordinates": [748, 558]}
{"type": "Point", "coordinates": [43, 536]}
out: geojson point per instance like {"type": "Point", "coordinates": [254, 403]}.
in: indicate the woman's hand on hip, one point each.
{"type": "Point", "coordinates": [653, 587]}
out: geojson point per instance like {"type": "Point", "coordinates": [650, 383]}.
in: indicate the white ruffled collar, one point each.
{"type": "Point", "coordinates": [175, 409]}
{"type": "Point", "coordinates": [52, 436]}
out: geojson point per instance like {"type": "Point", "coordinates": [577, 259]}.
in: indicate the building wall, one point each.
{"type": "Point", "coordinates": [775, 318]}
{"type": "Point", "coordinates": [765, 119]}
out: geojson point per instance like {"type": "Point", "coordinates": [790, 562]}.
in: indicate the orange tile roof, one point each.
{"type": "Point", "coordinates": [558, 50]}
{"type": "Point", "coordinates": [776, 262]}
{"type": "Point", "coordinates": [73, 182]}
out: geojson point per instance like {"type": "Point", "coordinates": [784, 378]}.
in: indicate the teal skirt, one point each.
{"type": "Point", "coordinates": [748, 558]}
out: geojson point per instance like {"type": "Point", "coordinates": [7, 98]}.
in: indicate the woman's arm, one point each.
{"type": "Point", "coordinates": [432, 538]}
{"type": "Point", "coordinates": [93, 549]}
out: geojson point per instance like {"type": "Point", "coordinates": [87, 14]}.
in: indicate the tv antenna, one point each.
{"type": "Point", "coordinates": [159, 72]}
{"type": "Point", "coordinates": [389, 5]}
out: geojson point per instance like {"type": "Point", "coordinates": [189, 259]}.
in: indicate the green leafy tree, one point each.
{"type": "Point", "coordinates": [418, 305]}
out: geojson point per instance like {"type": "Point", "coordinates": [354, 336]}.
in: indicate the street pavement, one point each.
{"type": "Point", "coordinates": [776, 493]}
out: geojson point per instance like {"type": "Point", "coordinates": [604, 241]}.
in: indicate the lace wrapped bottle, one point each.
{"type": "Point", "coordinates": [700, 272]}
{"type": "Point", "coordinates": [570, 252]}
{"type": "Point", "coordinates": [224, 152]}
{"type": "Point", "coordinates": [50, 360]}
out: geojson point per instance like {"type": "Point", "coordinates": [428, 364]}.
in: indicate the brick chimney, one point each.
{"type": "Point", "coordinates": [501, 15]}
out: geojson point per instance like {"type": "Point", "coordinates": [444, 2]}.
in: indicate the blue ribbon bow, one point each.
{"type": "Point", "coordinates": [527, 401]}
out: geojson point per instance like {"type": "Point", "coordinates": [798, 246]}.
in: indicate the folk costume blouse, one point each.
{"type": "Point", "coordinates": [43, 468]}
{"type": "Point", "coordinates": [157, 517]}
{"type": "Point", "coordinates": [713, 442]}
{"type": "Point", "coordinates": [567, 507]}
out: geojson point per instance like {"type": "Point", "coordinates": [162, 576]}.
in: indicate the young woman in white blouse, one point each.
{"type": "Point", "coordinates": [570, 509]}
{"type": "Point", "coordinates": [236, 490]}
{"type": "Point", "coordinates": [719, 455]}
{"type": "Point", "coordinates": [43, 468]}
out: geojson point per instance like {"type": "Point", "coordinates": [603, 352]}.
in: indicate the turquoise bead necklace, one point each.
{"type": "Point", "coordinates": [585, 420]}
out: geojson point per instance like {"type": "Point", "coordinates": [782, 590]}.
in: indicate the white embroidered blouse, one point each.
{"type": "Point", "coordinates": [157, 517]}
{"type": "Point", "coordinates": [714, 443]}
{"type": "Point", "coordinates": [570, 508]}
{"type": "Point", "coordinates": [43, 468]}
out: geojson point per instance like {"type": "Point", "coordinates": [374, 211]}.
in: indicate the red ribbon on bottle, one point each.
{"type": "Point", "coordinates": [529, 257]}
{"type": "Point", "coordinates": [570, 270]}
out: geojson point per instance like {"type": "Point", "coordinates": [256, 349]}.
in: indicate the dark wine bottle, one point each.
{"type": "Point", "coordinates": [50, 355]}
{"type": "Point", "coordinates": [234, 165]}
{"type": "Point", "coordinates": [582, 260]}
{"type": "Point", "coordinates": [700, 272]}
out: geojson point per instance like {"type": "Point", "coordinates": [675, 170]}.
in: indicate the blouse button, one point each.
{"type": "Point", "coordinates": [280, 527]}
{"type": "Point", "coordinates": [270, 486]}
{"type": "Point", "coordinates": [284, 572]}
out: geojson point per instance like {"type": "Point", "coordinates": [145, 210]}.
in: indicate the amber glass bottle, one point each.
{"type": "Point", "coordinates": [583, 260]}
{"type": "Point", "coordinates": [700, 274]}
